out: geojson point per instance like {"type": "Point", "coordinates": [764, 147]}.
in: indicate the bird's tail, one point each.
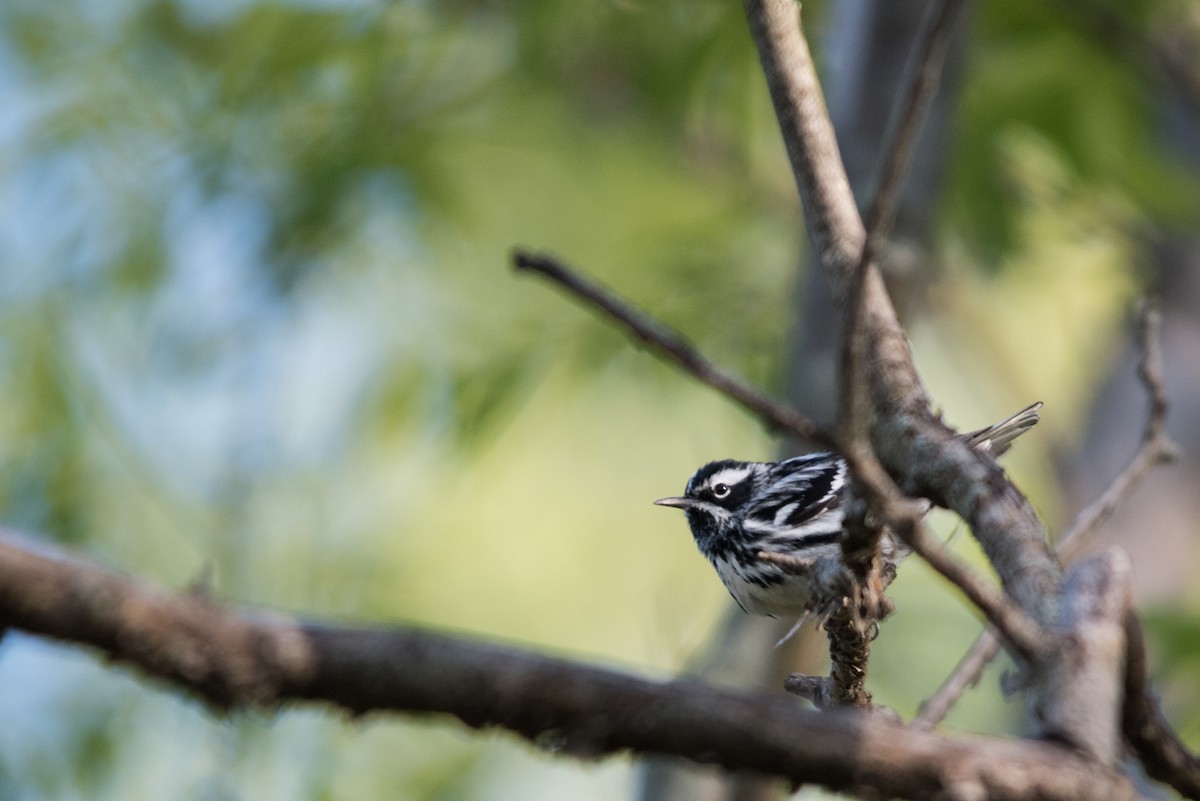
{"type": "Point", "coordinates": [995, 439]}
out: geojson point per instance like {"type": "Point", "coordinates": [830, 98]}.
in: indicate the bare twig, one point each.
{"type": "Point", "coordinates": [863, 531]}
{"type": "Point", "coordinates": [966, 674]}
{"type": "Point", "coordinates": [921, 80]}
{"type": "Point", "coordinates": [838, 234]}
{"type": "Point", "coordinates": [236, 658]}
{"type": "Point", "coordinates": [671, 346]}
{"type": "Point", "coordinates": [910, 441]}
{"type": "Point", "coordinates": [1155, 448]}
{"type": "Point", "coordinates": [817, 689]}
{"type": "Point", "coordinates": [1023, 632]}
{"type": "Point", "coordinates": [922, 76]}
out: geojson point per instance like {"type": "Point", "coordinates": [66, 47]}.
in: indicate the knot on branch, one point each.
{"type": "Point", "coordinates": [1081, 688]}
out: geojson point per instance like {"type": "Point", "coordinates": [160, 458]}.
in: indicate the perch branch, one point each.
{"type": "Point", "coordinates": [1022, 631]}
{"type": "Point", "coordinates": [236, 658]}
{"type": "Point", "coordinates": [997, 512]}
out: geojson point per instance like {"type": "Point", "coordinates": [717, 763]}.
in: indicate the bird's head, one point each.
{"type": "Point", "coordinates": [716, 496]}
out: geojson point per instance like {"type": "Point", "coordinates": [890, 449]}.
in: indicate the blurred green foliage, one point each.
{"type": "Point", "coordinates": [255, 314]}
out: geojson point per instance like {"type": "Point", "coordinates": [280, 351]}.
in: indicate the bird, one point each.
{"type": "Point", "coordinates": [773, 530]}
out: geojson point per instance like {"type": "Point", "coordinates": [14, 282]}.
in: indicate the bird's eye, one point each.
{"type": "Point", "coordinates": [721, 491]}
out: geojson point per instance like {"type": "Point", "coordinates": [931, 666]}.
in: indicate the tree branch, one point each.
{"type": "Point", "coordinates": [1158, 748]}
{"type": "Point", "coordinates": [911, 443]}
{"type": "Point", "coordinates": [834, 227]}
{"type": "Point", "coordinates": [922, 77]}
{"type": "Point", "coordinates": [966, 674]}
{"type": "Point", "coordinates": [1022, 631]}
{"type": "Point", "coordinates": [863, 531]}
{"type": "Point", "coordinates": [1083, 701]}
{"type": "Point", "coordinates": [923, 72]}
{"type": "Point", "coordinates": [1027, 638]}
{"type": "Point", "coordinates": [234, 657]}
{"type": "Point", "coordinates": [671, 346]}
{"type": "Point", "coordinates": [1156, 447]}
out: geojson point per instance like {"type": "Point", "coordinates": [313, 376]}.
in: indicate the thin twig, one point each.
{"type": "Point", "coordinates": [916, 445]}
{"type": "Point", "coordinates": [1022, 631]}
{"type": "Point", "coordinates": [1156, 447]}
{"type": "Point", "coordinates": [965, 675]}
{"type": "Point", "coordinates": [922, 76]}
{"type": "Point", "coordinates": [860, 544]}
{"type": "Point", "coordinates": [672, 346]}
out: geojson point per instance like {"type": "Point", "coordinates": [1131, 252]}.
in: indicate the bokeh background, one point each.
{"type": "Point", "coordinates": [257, 320]}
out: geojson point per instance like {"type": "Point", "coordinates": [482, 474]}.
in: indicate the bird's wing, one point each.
{"type": "Point", "coordinates": [798, 507]}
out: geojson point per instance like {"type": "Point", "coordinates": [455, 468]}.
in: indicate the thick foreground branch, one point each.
{"type": "Point", "coordinates": [233, 658]}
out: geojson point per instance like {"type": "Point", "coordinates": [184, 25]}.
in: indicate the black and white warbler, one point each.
{"type": "Point", "coordinates": [739, 510]}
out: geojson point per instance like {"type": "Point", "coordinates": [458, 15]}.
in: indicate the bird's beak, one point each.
{"type": "Point", "coordinates": [678, 503]}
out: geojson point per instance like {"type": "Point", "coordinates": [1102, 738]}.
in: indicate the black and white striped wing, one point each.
{"type": "Point", "coordinates": [799, 509]}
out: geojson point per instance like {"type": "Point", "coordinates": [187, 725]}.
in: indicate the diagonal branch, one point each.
{"type": "Point", "coordinates": [1021, 630]}
{"type": "Point", "coordinates": [923, 73]}
{"type": "Point", "coordinates": [862, 531]}
{"type": "Point", "coordinates": [922, 78]}
{"type": "Point", "coordinates": [830, 214]}
{"type": "Point", "coordinates": [235, 658]}
{"type": "Point", "coordinates": [1027, 638]}
{"type": "Point", "coordinates": [671, 346]}
{"type": "Point", "coordinates": [1156, 446]}
{"type": "Point", "coordinates": [910, 442]}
